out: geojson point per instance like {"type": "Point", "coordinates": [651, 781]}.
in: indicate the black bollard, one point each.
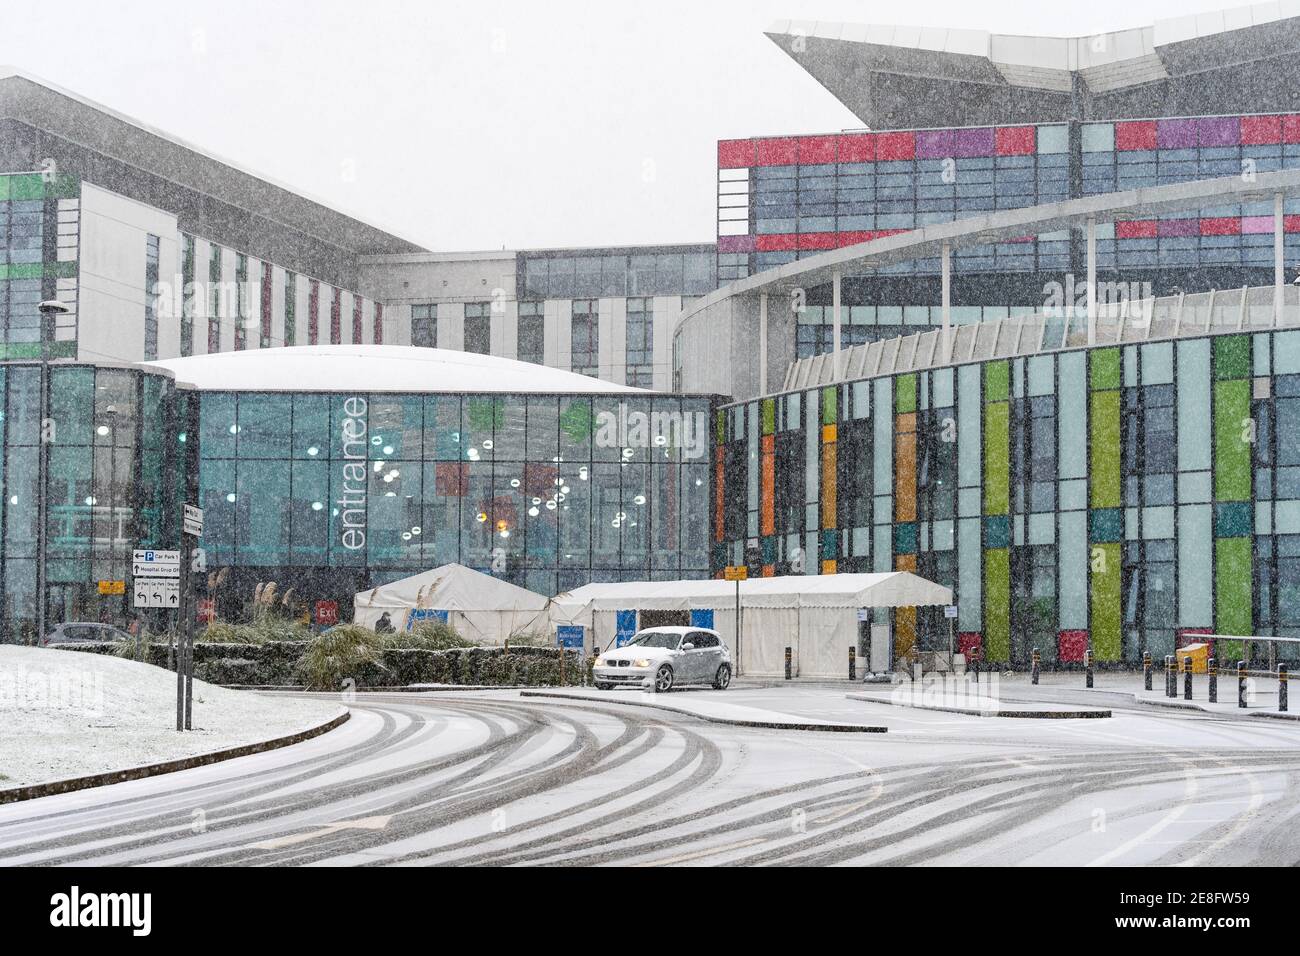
{"type": "Point", "coordinates": [1212, 671]}
{"type": "Point", "coordinates": [1170, 679]}
{"type": "Point", "coordinates": [1034, 666]}
{"type": "Point", "coordinates": [1241, 683]}
{"type": "Point", "coordinates": [975, 663]}
{"type": "Point", "coordinates": [853, 663]}
{"type": "Point", "coordinates": [1087, 668]}
{"type": "Point", "coordinates": [789, 665]}
{"type": "Point", "coordinates": [1146, 669]}
{"type": "Point", "coordinates": [1187, 678]}
{"type": "Point", "coordinates": [1281, 688]}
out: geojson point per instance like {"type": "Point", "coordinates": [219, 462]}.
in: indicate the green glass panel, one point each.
{"type": "Point", "coordinates": [1232, 357]}
{"type": "Point", "coordinates": [769, 416]}
{"type": "Point", "coordinates": [1232, 441]}
{"type": "Point", "coordinates": [1232, 589]}
{"type": "Point", "coordinates": [997, 377]}
{"type": "Point", "coordinates": [997, 450]}
{"type": "Point", "coordinates": [26, 186]}
{"type": "Point", "coordinates": [905, 394]}
{"type": "Point", "coordinates": [1104, 419]}
{"type": "Point", "coordinates": [829, 405]}
{"type": "Point", "coordinates": [997, 604]}
{"type": "Point", "coordinates": [1106, 574]}
{"type": "Point", "coordinates": [1104, 369]}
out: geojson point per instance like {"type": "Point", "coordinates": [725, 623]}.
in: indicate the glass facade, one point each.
{"type": "Point", "coordinates": [1120, 498]}
{"type": "Point", "coordinates": [39, 230]}
{"type": "Point", "coordinates": [113, 478]}
{"type": "Point", "coordinates": [596, 273]}
{"type": "Point", "coordinates": [331, 493]}
{"type": "Point", "coordinates": [787, 198]}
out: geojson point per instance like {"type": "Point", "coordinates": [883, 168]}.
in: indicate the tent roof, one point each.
{"type": "Point", "coordinates": [452, 587]}
{"type": "Point", "coordinates": [890, 589]}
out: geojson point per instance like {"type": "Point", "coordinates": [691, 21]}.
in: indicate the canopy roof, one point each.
{"type": "Point", "coordinates": [451, 587]}
{"type": "Point", "coordinates": [889, 589]}
{"type": "Point", "coordinates": [377, 368]}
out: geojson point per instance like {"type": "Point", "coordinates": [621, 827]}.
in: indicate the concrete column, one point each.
{"type": "Point", "coordinates": [946, 262]}
{"type": "Point", "coordinates": [1092, 280]}
{"type": "Point", "coordinates": [835, 322]}
{"type": "Point", "coordinates": [762, 344]}
{"type": "Point", "coordinates": [1279, 278]}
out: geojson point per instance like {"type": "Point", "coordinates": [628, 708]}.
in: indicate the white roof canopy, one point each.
{"type": "Point", "coordinates": [377, 368]}
{"type": "Point", "coordinates": [890, 589]}
{"type": "Point", "coordinates": [451, 587]}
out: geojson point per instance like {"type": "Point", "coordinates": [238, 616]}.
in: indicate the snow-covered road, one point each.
{"type": "Point", "coordinates": [492, 778]}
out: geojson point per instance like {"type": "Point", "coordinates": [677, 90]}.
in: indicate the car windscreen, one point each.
{"type": "Point", "coordinates": [657, 639]}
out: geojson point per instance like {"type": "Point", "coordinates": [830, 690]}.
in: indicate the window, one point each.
{"type": "Point", "coordinates": [151, 298]}
{"type": "Point", "coordinates": [532, 333]}
{"type": "Point", "coordinates": [424, 326]}
{"type": "Point", "coordinates": [241, 301]}
{"type": "Point", "coordinates": [313, 313]}
{"type": "Point", "coordinates": [336, 318]}
{"type": "Point", "coordinates": [640, 343]}
{"type": "Point", "coordinates": [264, 339]}
{"type": "Point", "coordinates": [290, 309]}
{"type": "Point", "coordinates": [478, 327]}
{"type": "Point", "coordinates": [379, 323]}
{"type": "Point", "coordinates": [357, 331]}
{"type": "Point", "coordinates": [585, 337]}
{"type": "Point", "coordinates": [187, 295]}
{"type": "Point", "coordinates": [214, 299]}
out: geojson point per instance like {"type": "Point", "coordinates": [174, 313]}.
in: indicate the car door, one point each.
{"type": "Point", "coordinates": [712, 656]}
{"type": "Point", "coordinates": [696, 658]}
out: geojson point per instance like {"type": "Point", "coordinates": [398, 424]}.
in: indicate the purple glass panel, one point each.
{"type": "Point", "coordinates": [1219, 130]}
{"type": "Point", "coordinates": [1175, 134]}
{"type": "Point", "coordinates": [1179, 227]}
{"type": "Point", "coordinates": [1257, 224]}
{"type": "Point", "coordinates": [975, 142]}
{"type": "Point", "coordinates": [735, 243]}
{"type": "Point", "coordinates": [934, 143]}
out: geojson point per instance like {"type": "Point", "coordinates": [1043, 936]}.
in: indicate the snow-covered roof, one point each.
{"type": "Point", "coordinates": [376, 368]}
{"type": "Point", "coordinates": [450, 587]}
{"type": "Point", "coordinates": [887, 589]}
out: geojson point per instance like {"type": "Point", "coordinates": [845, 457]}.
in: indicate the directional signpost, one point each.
{"type": "Point", "coordinates": [157, 579]}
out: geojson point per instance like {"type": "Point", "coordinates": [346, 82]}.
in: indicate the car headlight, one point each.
{"type": "Point", "coordinates": [642, 662]}
{"type": "Point", "coordinates": [600, 662]}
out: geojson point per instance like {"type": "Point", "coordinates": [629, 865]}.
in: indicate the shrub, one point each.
{"type": "Point", "coordinates": [348, 651]}
{"type": "Point", "coordinates": [428, 636]}
{"type": "Point", "coordinates": [531, 639]}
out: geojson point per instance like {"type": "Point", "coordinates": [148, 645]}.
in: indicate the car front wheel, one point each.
{"type": "Point", "coordinates": [723, 677]}
{"type": "Point", "coordinates": [664, 680]}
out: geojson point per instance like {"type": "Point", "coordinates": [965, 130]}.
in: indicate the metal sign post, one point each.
{"type": "Point", "coordinates": [191, 531]}
{"type": "Point", "coordinates": [737, 573]}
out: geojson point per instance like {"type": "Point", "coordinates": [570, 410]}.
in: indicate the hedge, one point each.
{"type": "Point", "coordinates": [275, 663]}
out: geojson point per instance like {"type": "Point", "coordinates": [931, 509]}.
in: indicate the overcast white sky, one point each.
{"type": "Point", "coordinates": [483, 125]}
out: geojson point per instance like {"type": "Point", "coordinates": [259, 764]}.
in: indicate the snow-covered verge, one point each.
{"type": "Point", "coordinates": [65, 714]}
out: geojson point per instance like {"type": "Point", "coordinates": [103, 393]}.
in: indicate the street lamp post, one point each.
{"type": "Point", "coordinates": [49, 310]}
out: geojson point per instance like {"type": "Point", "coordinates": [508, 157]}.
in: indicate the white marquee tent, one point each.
{"type": "Point", "coordinates": [479, 606]}
{"type": "Point", "coordinates": [815, 615]}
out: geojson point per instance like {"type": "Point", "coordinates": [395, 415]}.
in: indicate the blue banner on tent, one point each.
{"type": "Point", "coordinates": [570, 635]}
{"type": "Point", "coordinates": [702, 617]}
{"type": "Point", "coordinates": [420, 614]}
{"type": "Point", "coordinates": [624, 627]}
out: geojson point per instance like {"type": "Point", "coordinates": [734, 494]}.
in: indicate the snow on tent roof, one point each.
{"type": "Point", "coordinates": [452, 587]}
{"type": "Point", "coordinates": [377, 368]}
{"type": "Point", "coordinates": [889, 589]}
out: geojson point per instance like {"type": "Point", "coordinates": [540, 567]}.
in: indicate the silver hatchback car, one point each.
{"type": "Point", "coordinates": [660, 658]}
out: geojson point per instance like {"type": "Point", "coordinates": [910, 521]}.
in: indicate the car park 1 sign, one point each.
{"type": "Point", "coordinates": [156, 564]}
{"type": "Point", "coordinates": [157, 592]}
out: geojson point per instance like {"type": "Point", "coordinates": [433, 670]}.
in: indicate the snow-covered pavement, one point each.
{"type": "Point", "coordinates": [68, 714]}
{"type": "Point", "coordinates": [492, 777]}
